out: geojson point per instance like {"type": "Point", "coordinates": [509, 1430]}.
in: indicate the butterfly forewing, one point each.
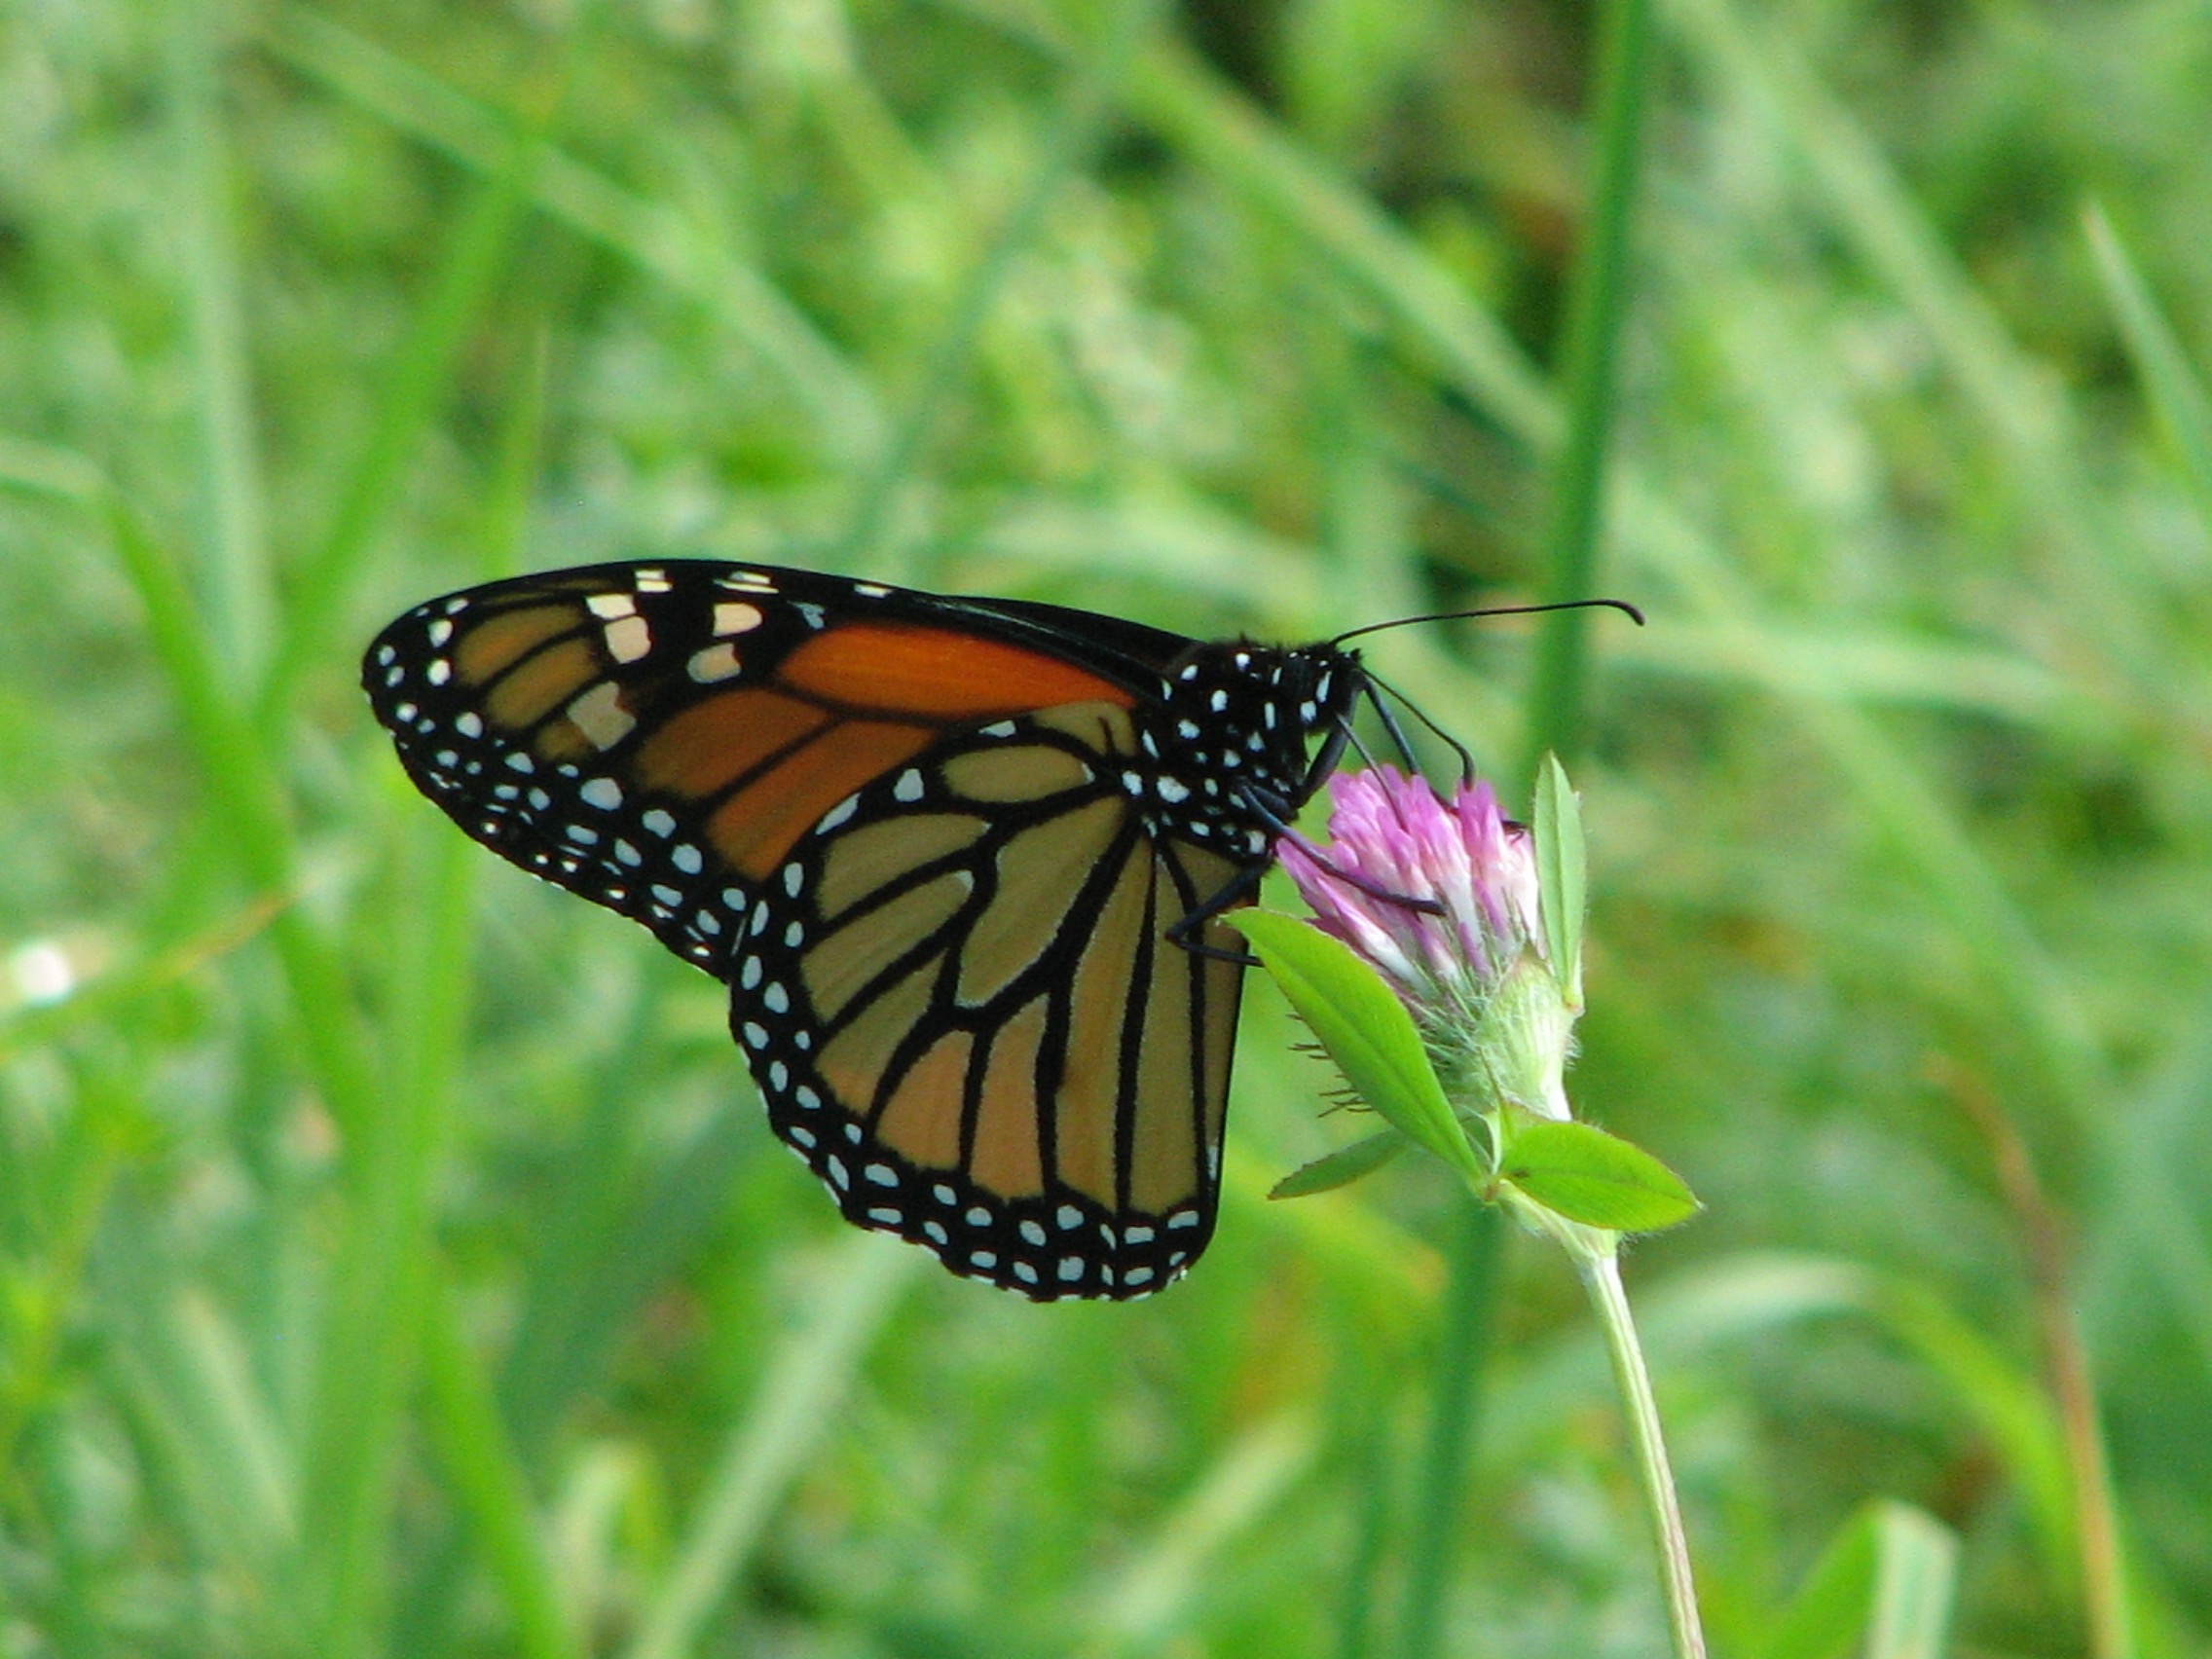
{"type": "Point", "coordinates": [935, 846]}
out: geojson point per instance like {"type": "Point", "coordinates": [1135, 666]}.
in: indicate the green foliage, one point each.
{"type": "Point", "coordinates": [1562, 875]}
{"type": "Point", "coordinates": [1365, 1029]}
{"type": "Point", "coordinates": [391, 1256]}
{"type": "Point", "coordinates": [1341, 1167]}
{"type": "Point", "coordinates": [1599, 1180]}
{"type": "Point", "coordinates": [1882, 1589]}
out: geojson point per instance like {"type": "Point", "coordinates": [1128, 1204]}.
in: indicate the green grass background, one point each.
{"type": "Point", "coordinates": [393, 1259]}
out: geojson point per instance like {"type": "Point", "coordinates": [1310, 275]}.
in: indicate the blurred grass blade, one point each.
{"type": "Point", "coordinates": [1883, 1590]}
{"type": "Point", "coordinates": [801, 1390]}
{"type": "Point", "coordinates": [378, 1273]}
{"type": "Point", "coordinates": [486, 1477]}
{"type": "Point", "coordinates": [1459, 1398]}
{"type": "Point", "coordinates": [634, 1230]}
{"type": "Point", "coordinates": [197, 192]}
{"type": "Point", "coordinates": [1081, 112]}
{"type": "Point", "coordinates": [419, 373]}
{"type": "Point", "coordinates": [1191, 105]}
{"type": "Point", "coordinates": [181, 1373]}
{"type": "Point", "coordinates": [46, 1268]}
{"type": "Point", "coordinates": [1915, 1584]}
{"type": "Point", "coordinates": [247, 796]}
{"type": "Point", "coordinates": [244, 1434]}
{"type": "Point", "coordinates": [103, 995]}
{"type": "Point", "coordinates": [1597, 308]}
{"type": "Point", "coordinates": [2027, 426]}
{"type": "Point", "coordinates": [1151, 1600]}
{"type": "Point", "coordinates": [384, 1276]}
{"type": "Point", "coordinates": [2176, 392]}
{"type": "Point", "coordinates": [847, 417]}
{"type": "Point", "coordinates": [1563, 869]}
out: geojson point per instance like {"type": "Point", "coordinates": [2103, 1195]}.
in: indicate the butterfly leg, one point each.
{"type": "Point", "coordinates": [1350, 877]}
{"type": "Point", "coordinates": [1238, 888]}
{"type": "Point", "coordinates": [1397, 733]}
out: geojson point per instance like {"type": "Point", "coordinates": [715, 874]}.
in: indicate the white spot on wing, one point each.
{"type": "Point", "coordinates": [713, 664]}
{"type": "Point", "coordinates": [628, 639]}
{"type": "Point", "coordinates": [600, 716]}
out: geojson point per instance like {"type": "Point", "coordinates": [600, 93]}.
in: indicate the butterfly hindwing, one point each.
{"type": "Point", "coordinates": [962, 1009]}
{"type": "Point", "coordinates": [935, 846]}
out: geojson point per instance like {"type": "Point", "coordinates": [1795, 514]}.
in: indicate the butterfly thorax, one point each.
{"type": "Point", "coordinates": [1226, 746]}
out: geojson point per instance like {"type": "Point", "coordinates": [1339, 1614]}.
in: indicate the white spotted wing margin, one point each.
{"type": "Point", "coordinates": [963, 1012]}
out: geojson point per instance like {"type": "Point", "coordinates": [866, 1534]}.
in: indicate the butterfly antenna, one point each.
{"type": "Point", "coordinates": [1621, 604]}
{"type": "Point", "coordinates": [1376, 683]}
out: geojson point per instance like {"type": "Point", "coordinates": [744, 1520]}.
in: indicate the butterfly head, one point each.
{"type": "Point", "coordinates": [1232, 733]}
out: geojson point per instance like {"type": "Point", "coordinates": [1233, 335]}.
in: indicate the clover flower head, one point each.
{"type": "Point", "coordinates": [1441, 897]}
{"type": "Point", "coordinates": [1401, 842]}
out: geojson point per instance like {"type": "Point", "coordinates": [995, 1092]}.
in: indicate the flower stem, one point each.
{"type": "Point", "coordinates": [1602, 1275]}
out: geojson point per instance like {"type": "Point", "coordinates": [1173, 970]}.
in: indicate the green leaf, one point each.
{"type": "Point", "coordinates": [1364, 1027]}
{"type": "Point", "coordinates": [1881, 1589]}
{"type": "Point", "coordinates": [1341, 1167]}
{"type": "Point", "coordinates": [1560, 874]}
{"type": "Point", "coordinates": [1598, 1179]}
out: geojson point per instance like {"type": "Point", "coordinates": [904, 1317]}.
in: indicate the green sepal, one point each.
{"type": "Point", "coordinates": [1341, 1167]}
{"type": "Point", "coordinates": [1562, 876]}
{"type": "Point", "coordinates": [1581, 1172]}
{"type": "Point", "coordinates": [1364, 1027]}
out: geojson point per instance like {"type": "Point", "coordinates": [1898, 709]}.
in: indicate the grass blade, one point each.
{"type": "Point", "coordinates": [2176, 392]}
{"type": "Point", "coordinates": [420, 372]}
{"type": "Point", "coordinates": [799, 1393]}
{"type": "Point", "coordinates": [1597, 307]}
{"type": "Point", "coordinates": [1150, 1600]}
{"type": "Point", "coordinates": [841, 405]}
{"type": "Point", "coordinates": [1469, 1320]}
{"type": "Point", "coordinates": [246, 795]}
{"type": "Point", "coordinates": [241, 603]}
{"type": "Point", "coordinates": [1084, 109]}
{"type": "Point", "coordinates": [485, 1475]}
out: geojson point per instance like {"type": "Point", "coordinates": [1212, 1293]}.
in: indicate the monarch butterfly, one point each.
{"type": "Point", "coordinates": [958, 860]}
